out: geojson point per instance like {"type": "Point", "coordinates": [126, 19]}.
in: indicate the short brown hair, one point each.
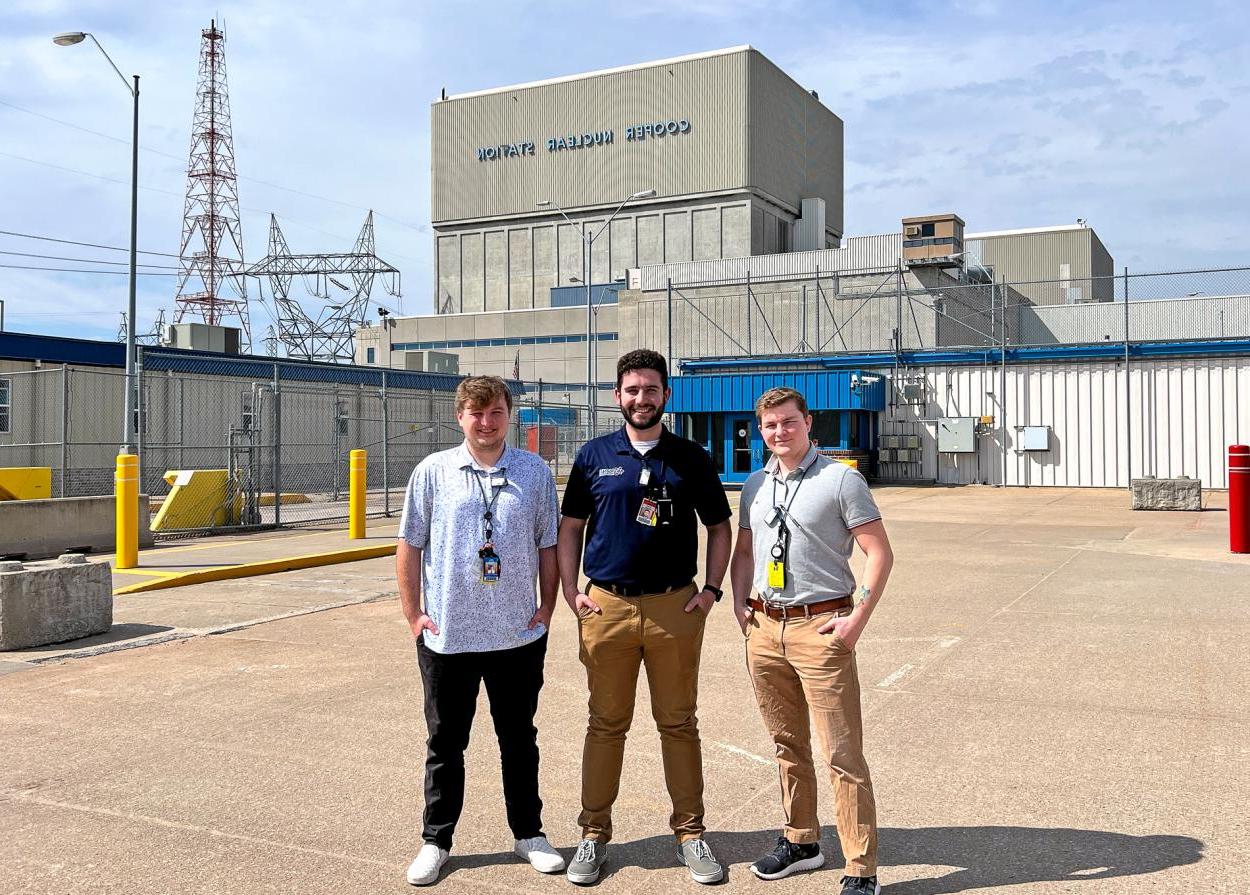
{"type": "Point", "coordinates": [476, 392]}
{"type": "Point", "coordinates": [775, 397]}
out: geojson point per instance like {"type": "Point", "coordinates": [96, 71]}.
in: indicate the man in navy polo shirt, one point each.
{"type": "Point", "coordinates": [638, 495]}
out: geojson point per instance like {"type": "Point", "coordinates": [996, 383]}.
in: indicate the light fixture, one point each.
{"type": "Point", "coordinates": [69, 38]}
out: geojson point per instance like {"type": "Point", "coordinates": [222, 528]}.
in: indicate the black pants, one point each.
{"type": "Point", "coordinates": [513, 679]}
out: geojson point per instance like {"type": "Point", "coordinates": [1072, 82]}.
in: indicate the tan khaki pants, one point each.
{"type": "Point", "coordinates": [654, 631]}
{"type": "Point", "coordinates": [797, 672]}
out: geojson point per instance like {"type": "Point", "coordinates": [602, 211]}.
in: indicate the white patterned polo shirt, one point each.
{"type": "Point", "coordinates": [442, 517]}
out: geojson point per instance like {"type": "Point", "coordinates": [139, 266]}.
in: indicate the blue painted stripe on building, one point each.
{"type": "Point", "coordinates": [739, 391]}
{"type": "Point", "coordinates": [504, 342]}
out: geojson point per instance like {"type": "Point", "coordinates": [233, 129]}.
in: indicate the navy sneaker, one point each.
{"type": "Point", "coordinates": [788, 858]}
{"type": "Point", "coordinates": [860, 885]}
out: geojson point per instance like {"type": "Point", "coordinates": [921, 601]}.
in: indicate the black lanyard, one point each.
{"type": "Point", "coordinates": [488, 516]}
{"type": "Point", "coordinates": [782, 546]}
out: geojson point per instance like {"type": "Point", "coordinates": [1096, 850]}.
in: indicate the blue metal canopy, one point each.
{"type": "Point", "coordinates": [823, 390]}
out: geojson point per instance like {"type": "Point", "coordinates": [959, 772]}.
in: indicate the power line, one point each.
{"type": "Point", "coordinates": [88, 260]}
{"type": "Point", "coordinates": [90, 245]}
{"type": "Point", "coordinates": [116, 273]}
{"type": "Point", "coordinates": [276, 186]}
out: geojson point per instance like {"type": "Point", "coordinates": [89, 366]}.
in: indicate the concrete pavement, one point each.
{"type": "Point", "coordinates": [1056, 700]}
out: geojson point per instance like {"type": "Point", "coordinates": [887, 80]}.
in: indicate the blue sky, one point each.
{"type": "Point", "coordinates": [1130, 115]}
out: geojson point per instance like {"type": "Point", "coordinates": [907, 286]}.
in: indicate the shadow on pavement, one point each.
{"type": "Point", "coordinates": [988, 857]}
{"type": "Point", "coordinates": [114, 634]}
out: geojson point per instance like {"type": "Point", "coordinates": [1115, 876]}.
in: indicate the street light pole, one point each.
{"type": "Point", "coordinates": [588, 241]}
{"type": "Point", "coordinates": [68, 39]}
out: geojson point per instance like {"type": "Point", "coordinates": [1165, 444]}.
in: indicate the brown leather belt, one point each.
{"type": "Point", "coordinates": [807, 610]}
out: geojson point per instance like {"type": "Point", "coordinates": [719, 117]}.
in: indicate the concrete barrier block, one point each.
{"type": "Point", "coordinates": [52, 602]}
{"type": "Point", "coordinates": [34, 529]}
{"type": "Point", "coordinates": [1167, 494]}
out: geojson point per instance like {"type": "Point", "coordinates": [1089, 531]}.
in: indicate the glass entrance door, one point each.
{"type": "Point", "coordinates": [743, 448]}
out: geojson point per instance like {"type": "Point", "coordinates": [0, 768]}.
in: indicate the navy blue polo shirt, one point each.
{"type": "Point", "coordinates": [605, 488]}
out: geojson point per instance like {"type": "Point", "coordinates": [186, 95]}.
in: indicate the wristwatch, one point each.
{"type": "Point", "coordinates": [716, 591]}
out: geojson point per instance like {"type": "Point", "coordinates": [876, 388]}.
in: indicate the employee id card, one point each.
{"type": "Point", "coordinates": [648, 513]}
{"type": "Point", "coordinates": [777, 574]}
{"type": "Point", "coordinates": [492, 566]}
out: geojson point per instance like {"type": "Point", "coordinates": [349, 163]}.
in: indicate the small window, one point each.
{"type": "Point", "coordinates": [927, 229]}
{"type": "Point", "coordinates": [4, 405]}
{"type": "Point", "coordinates": [370, 355]}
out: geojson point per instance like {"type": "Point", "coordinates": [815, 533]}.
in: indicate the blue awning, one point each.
{"type": "Point", "coordinates": [823, 390]}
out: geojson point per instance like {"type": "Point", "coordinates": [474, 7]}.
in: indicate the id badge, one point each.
{"type": "Point", "coordinates": [491, 566]}
{"type": "Point", "coordinates": [647, 512]}
{"type": "Point", "coordinates": [664, 511]}
{"type": "Point", "coordinates": [777, 574]}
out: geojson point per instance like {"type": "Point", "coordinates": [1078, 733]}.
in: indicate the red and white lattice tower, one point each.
{"type": "Point", "coordinates": [210, 285]}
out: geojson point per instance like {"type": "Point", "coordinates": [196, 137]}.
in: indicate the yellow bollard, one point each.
{"type": "Point", "coordinates": [356, 495]}
{"type": "Point", "coordinates": [126, 491]}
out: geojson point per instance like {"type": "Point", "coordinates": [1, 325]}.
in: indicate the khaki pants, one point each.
{"type": "Point", "coordinates": [656, 631]}
{"type": "Point", "coordinates": [797, 672]}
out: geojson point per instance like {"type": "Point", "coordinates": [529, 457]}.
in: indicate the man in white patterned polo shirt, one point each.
{"type": "Point", "coordinates": [479, 526]}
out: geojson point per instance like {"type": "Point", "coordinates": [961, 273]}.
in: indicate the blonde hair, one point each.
{"type": "Point", "coordinates": [477, 392]}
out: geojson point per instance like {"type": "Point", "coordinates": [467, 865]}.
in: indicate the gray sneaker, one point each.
{"type": "Point", "coordinates": [700, 861]}
{"type": "Point", "coordinates": [584, 868]}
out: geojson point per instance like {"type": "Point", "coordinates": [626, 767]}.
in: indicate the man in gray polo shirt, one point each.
{"type": "Point", "coordinates": [800, 518]}
{"type": "Point", "coordinates": [479, 526]}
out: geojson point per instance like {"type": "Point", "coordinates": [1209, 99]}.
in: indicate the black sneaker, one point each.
{"type": "Point", "coordinates": [860, 885]}
{"type": "Point", "coordinates": [788, 858]}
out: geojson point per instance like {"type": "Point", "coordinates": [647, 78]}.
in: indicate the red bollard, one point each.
{"type": "Point", "coordinates": [1239, 498]}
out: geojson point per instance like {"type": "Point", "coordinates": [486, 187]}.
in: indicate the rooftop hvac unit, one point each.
{"type": "Point", "coordinates": [203, 337]}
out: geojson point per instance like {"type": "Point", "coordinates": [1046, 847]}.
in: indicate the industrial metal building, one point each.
{"type": "Point", "coordinates": [742, 161]}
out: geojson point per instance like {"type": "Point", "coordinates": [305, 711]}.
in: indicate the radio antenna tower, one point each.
{"type": "Point", "coordinates": [325, 333]}
{"type": "Point", "coordinates": [210, 285]}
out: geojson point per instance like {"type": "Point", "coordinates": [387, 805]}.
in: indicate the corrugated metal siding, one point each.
{"type": "Point", "coordinates": [1184, 414]}
{"type": "Point", "coordinates": [1194, 317]}
{"type": "Point", "coordinates": [711, 92]}
{"type": "Point", "coordinates": [858, 253]}
{"type": "Point", "coordinates": [1033, 264]}
{"type": "Point", "coordinates": [740, 391]}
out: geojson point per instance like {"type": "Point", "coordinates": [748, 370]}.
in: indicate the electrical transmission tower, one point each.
{"type": "Point", "coordinates": [209, 285]}
{"type": "Point", "coordinates": [154, 336]}
{"type": "Point", "coordinates": [326, 333]}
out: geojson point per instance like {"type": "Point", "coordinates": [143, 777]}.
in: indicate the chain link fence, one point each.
{"type": "Point", "coordinates": [908, 309]}
{"type": "Point", "coordinates": [281, 437]}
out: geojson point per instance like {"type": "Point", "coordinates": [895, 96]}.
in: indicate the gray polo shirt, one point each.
{"type": "Point", "coordinates": [443, 517]}
{"type": "Point", "coordinates": [829, 499]}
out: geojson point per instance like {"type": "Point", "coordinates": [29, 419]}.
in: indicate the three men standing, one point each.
{"type": "Point", "coordinates": [800, 518]}
{"type": "Point", "coordinates": [479, 525]}
{"type": "Point", "coordinates": [635, 494]}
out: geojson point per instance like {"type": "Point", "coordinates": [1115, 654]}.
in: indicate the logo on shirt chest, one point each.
{"type": "Point", "coordinates": [615, 470]}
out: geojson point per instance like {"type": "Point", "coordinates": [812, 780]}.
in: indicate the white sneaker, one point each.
{"type": "Point", "coordinates": [540, 854]}
{"type": "Point", "coordinates": [425, 866]}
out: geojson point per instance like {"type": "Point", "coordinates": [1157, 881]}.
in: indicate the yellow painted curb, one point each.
{"type": "Point", "coordinates": [267, 567]}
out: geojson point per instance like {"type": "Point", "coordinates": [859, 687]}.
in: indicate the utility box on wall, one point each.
{"type": "Point", "coordinates": [1035, 438]}
{"type": "Point", "coordinates": [957, 435]}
